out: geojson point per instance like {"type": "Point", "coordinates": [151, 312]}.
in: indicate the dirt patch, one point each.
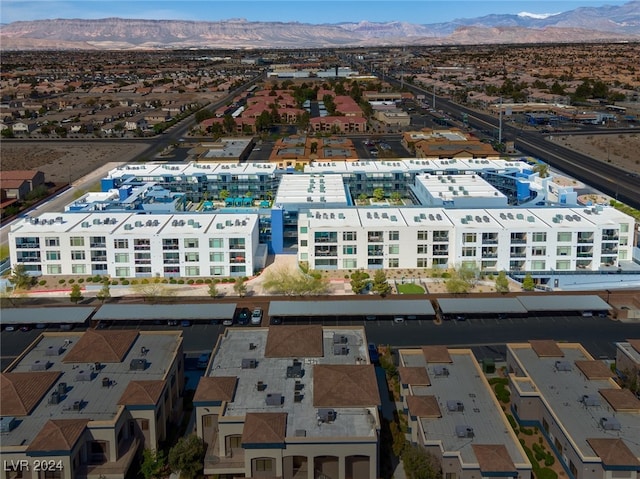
{"type": "Point", "coordinates": [618, 149]}
{"type": "Point", "coordinates": [66, 162]}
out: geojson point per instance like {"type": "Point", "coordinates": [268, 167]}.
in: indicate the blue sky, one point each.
{"type": "Point", "coordinates": [304, 11]}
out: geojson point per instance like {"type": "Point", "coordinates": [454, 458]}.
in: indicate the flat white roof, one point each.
{"type": "Point", "coordinates": [452, 187]}
{"type": "Point", "coordinates": [311, 189]}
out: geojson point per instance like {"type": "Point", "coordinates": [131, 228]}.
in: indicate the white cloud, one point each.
{"type": "Point", "coordinates": [539, 16]}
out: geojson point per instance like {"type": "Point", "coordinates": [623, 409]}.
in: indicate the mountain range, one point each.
{"type": "Point", "coordinates": [584, 24]}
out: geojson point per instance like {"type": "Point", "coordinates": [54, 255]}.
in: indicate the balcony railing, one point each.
{"type": "Point", "coordinates": [518, 240]}
{"type": "Point", "coordinates": [29, 260]}
{"type": "Point", "coordinates": [518, 255]}
{"type": "Point", "coordinates": [441, 239]}
{"type": "Point", "coordinates": [490, 241]}
{"type": "Point", "coordinates": [126, 454]}
{"type": "Point", "coordinates": [610, 237]}
{"type": "Point", "coordinates": [99, 259]}
{"type": "Point", "coordinates": [170, 247]}
{"type": "Point", "coordinates": [585, 240]}
{"type": "Point", "coordinates": [236, 246]}
{"type": "Point", "coordinates": [98, 245]}
{"type": "Point", "coordinates": [27, 245]}
{"type": "Point", "coordinates": [585, 255]}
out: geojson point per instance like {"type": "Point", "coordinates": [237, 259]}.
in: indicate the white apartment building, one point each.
{"type": "Point", "coordinates": [124, 245]}
{"type": "Point", "coordinates": [542, 239]}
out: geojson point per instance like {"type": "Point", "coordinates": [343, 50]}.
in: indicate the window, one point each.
{"type": "Point", "coordinates": [538, 251]}
{"type": "Point", "coordinates": [394, 262]}
{"type": "Point", "coordinates": [170, 243]}
{"type": "Point", "coordinates": [304, 243]}
{"type": "Point", "coordinates": [624, 241]}
{"type": "Point", "coordinates": [216, 243]}
{"type": "Point", "coordinates": [539, 237]}
{"type": "Point", "coordinates": [236, 243]}
{"type": "Point", "coordinates": [350, 249]}
{"type": "Point", "coordinates": [538, 265]}
{"type": "Point", "coordinates": [52, 241]}
{"type": "Point", "coordinates": [423, 235]}
{"type": "Point", "coordinates": [564, 237]}
{"type": "Point", "coordinates": [394, 249]}
{"type": "Point", "coordinates": [121, 257]}
{"type": "Point", "coordinates": [192, 271]}
{"type": "Point", "coordinates": [304, 230]}
{"type": "Point", "coordinates": [375, 250]}
{"type": "Point", "coordinates": [216, 257]}
{"type": "Point", "coordinates": [622, 255]}
{"type": "Point", "coordinates": [143, 269]}
{"type": "Point", "coordinates": [450, 475]}
{"type": "Point", "coordinates": [53, 255]}
{"type": "Point", "coordinates": [171, 258]}
{"type": "Point", "coordinates": [172, 270]}
{"type": "Point", "coordinates": [238, 269]}
{"type": "Point", "coordinates": [375, 237]}
{"type": "Point", "coordinates": [325, 237]}
{"type": "Point", "coordinates": [78, 269]}
{"type": "Point", "coordinates": [76, 241]}
{"type": "Point", "coordinates": [191, 242]}
{"type": "Point", "coordinates": [563, 250]}
{"type": "Point", "coordinates": [122, 272]}
{"type": "Point", "coordinates": [264, 465]}
{"type": "Point", "coordinates": [54, 269]}
{"type": "Point", "coordinates": [469, 238]}
{"type": "Point", "coordinates": [442, 235]}
{"type": "Point", "coordinates": [468, 251]}
{"type": "Point", "coordinates": [624, 227]}
{"type": "Point", "coordinates": [77, 255]}
{"type": "Point", "coordinates": [192, 257]}
{"type": "Point", "coordinates": [349, 263]}
{"type": "Point", "coordinates": [216, 270]}
{"type": "Point", "coordinates": [394, 236]}
{"type": "Point", "coordinates": [423, 249]}
{"type": "Point", "coordinates": [349, 236]}
{"type": "Point", "coordinates": [97, 241]}
{"type": "Point", "coordinates": [563, 264]}
{"type": "Point", "coordinates": [142, 258]}
{"type": "Point", "coordinates": [422, 263]}
{"type": "Point", "coordinates": [142, 243]}
{"type": "Point", "coordinates": [121, 243]}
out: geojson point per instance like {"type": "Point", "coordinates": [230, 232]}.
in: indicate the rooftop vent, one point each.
{"type": "Point", "coordinates": [62, 389]}
{"type": "Point", "coordinates": [326, 415]}
{"type": "Point", "coordinates": [138, 364]}
{"type": "Point", "coordinates": [249, 363]}
{"type": "Point", "coordinates": [300, 433]}
{"type": "Point", "coordinates": [340, 339]}
{"type": "Point", "coordinates": [54, 398]}
{"type": "Point", "coordinates": [455, 406]}
{"type": "Point", "coordinates": [610, 424]}
{"type": "Point", "coordinates": [441, 371]}
{"type": "Point", "coordinates": [84, 375]}
{"type": "Point", "coordinates": [464, 431]}
{"type": "Point", "coordinates": [38, 365]}
{"type": "Point", "coordinates": [590, 400]}
{"type": "Point", "coordinates": [295, 370]}
{"type": "Point", "coordinates": [53, 351]}
{"type": "Point", "coordinates": [297, 396]}
{"type": "Point", "coordinates": [563, 366]}
{"type": "Point", "coordinates": [7, 424]}
{"type": "Point", "coordinates": [340, 350]}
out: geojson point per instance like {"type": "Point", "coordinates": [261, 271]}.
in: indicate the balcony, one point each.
{"type": "Point", "coordinates": [440, 239]}
{"type": "Point", "coordinates": [489, 255]}
{"type": "Point", "coordinates": [518, 240]}
{"type": "Point", "coordinates": [375, 239]}
{"type": "Point", "coordinates": [610, 237]}
{"type": "Point", "coordinates": [236, 246]}
{"type": "Point", "coordinates": [609, 250]}
{"type": "Point", "coordinates": [585, 239]}
{"type": "Point", "coordinates": [145, 247]}
{"type": "Point", "coordinates": [237, 259]}
{"type": "Point", "coordinates": [170, 247]}
{"type": "Point", "coordinates": [27, 245]}
{"type": "Point", "coordinates": [232, 462]}
{"type": "Point", "coordinates": [98, 245]}
{"type": "Point", "coordinates": [490, 241]}
{"type": "Point", "coordinates": [519, 254]}
{"type": "Point", "coordinates": [171, 261]}
{"type": "Point", "coordinates": [127, 452]}
{"type": "Point", "coordinates": [98, 259]}
{"type": "Point", "coordinates": [29, 260]}
{"type": "Point", "coordinates": [584, 254]}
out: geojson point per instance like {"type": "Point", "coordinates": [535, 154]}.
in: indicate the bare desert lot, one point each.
{"type": "Point", "coordinates": [64, 162]}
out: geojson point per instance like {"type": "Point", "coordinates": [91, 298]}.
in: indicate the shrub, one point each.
{"type": "Point", "coordinates": [89, 279]}
{"type": "Point", "coordinates": [512, 421]}
{"type": "Point", "coordinates": [527, 431]}
{"type": "Point", "coordinates": [97, 279]}
{"type": "Point", "coordinates": [145, 281]}
{"type": "Point", "coordinates": [208, 281]}
{"type": "Point", "coordinates": [446, 275]}
{"type": "Point", "coordinates": [165, 281]}
{"type": "Point", "coordinates": [42, 282]}
{"type": "Point", "coordinates": [546, 473]}
{"type": "Point", "coordinates": [346, 276]}
{"type": "Point", "coordinates": [181, 281]}
{"type": "Point", "coordinates": [62, 281]}
{"type": "Point", "coordinates": [125, 282]}
{"type": "Point", "coordinates": [134, 281]}
{"type": "Point", "coordinates": [190, 281]}
{"type": "Point", "coordinates": [549, 460]}
{"type": "Point", "coordinates": [199, 281]}
{"type": "Point", "coordinates": [216, 280]}
{"type": "Point", "coordinates": [71, 281]}
{"type": "Point", "coordinates": [81, 280]}
{"type": "Point", "coordinates": [172, 281]}
{"type": "Point", "coordinates": [114, 283]}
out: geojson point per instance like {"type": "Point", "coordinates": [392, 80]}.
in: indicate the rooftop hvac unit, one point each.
{"type": "Point", "coordinates": [295, 371]}
{"type": "Point", "coordinates": [248, 363]}
{"type": "Point", "coordinates": [340, 350]}
{"type": "Point", "coordinates": [77, 405]}
{"type": "Point", "coordinates": [563, 366]}
{"type": "Point", "coordinates": [54, 398]}
{"type": "Point", "coordinates": [62, 389]}
{"type": "Point", "coordinates": [106, 382]}
{"type": "Point", "coordinates": [340, 339]}
{"type": "Point", "coordinates": [83, 375]}
{"type": "Point", "coordinates": [7, 424]}
{"type": "Point", "coordinates": [297, 396]}
{"type": "Point", "coordinates": [326, 415]}
{"type": "Point", "coordinates": [53, 351]}
{"type": "Point", "coordinates": [441, 371]}
{"type": "Point", "coordinates": [274, 399]}
{"type": "Point", "coordinates": [38, 365]}
{"type": "Point", "coordinates": [590, 400]}
{"type": "Point", "coordinates": [610, 424]}
{"type": "Point", "coordinates": [464, 431]}
{"type": "Point", "coordinates": [139, 364]}
{"type": "Point", "coordinates": [455, 406]}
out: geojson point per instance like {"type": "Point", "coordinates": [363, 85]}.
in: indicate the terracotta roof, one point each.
{"type": "Point", "coordinates": [493, 458]}
{"type": "Point", "coordinates": [142, 392]}
{"type": "Point", "coordinates": [345, 385]}
{"type": "Point", "coordinates": [294, 342]}
{"type": "Point", "coordinates": [594, 369]}
{"type": "Point", "coordinates": [416, 376]}
{"type": "Point", "coordinates": [9, 183]}
{"type": "Point", "coordinates": [104, 346]}
{"type": "Point", "coordinates": [635, 344]}
{"type": "Point", "coordinates": [219, 388]}
{"type": "Point", "coordinates": [423, 406]}
{"type": "Point", "coordinates": [621, 399]}
{"type": "Point", "coordinates": [58, 435]}
{"type": "Point", "coordinates": [264, 428]}
{"type": "Point", "coordinates": [546, 348]}
{"type": "Point", "coordinates": [436, 354]}
{"type": "Point", "coordinates": [21, 392]}
{"type": "Point", "coordinates": [613, 452]}
{"type": "Point", "coordinates": [19, 174]}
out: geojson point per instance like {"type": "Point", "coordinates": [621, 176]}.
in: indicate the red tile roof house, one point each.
{"type": "Point", "coordinates": [34, 178]}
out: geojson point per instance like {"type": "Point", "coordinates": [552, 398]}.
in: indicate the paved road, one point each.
{"type": "Point", "coordinates": [597, 335]}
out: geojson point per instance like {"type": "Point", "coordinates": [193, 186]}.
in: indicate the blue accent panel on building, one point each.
{"type": "Point", "coordinates": [107, 184]}
{"type": "Point", "coordinates": [277, 231]}
{"type": "Point", "coordinates": [124, 192]}
{"type": "Point", "coordinates": [280, 445]}
{"type": "Point", "coordinates": [522, 190]}
{"type": "Point", "coordinates": [347, 193]}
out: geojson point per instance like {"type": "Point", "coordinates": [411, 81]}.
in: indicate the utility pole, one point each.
{"type": "Point", "coordinates": [434, 96]}
{"type": "Point", "coordinates": [500, 123]}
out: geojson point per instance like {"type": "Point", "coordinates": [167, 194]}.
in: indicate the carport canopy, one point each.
{"type": "Point", "coordinates": [379, 307]}
{"type": "Point", "coordinates": [544, 302]}
{"type": "Point", "coordinates": [50, 315]}
{"type": "Point", "coordinates": [151, 312]}
{"type": "Point", "coordinates": [481, 306]}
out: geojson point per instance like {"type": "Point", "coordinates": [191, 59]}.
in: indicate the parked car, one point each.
{"type": "Point", "coordinates": [244, 316]}
{"type": "Point", "coordinates": [25, 328]}
{"type": "Point", "coordinates": [10, 327]}
{"type": "Point", "coordinates": [256, 316]}
{"type": "Point", "coordinates": [275, 320]}
{"type": "Point", "coordinates": [227, 322]}
{"type": "Point", "coordinates": [203, 360]}
{"type": "Point", "coordinates": [185, 323]}
{"type": "Point", "coordinates": [398, 319]}
{"type": "Point", "coordinates": [374, 356]}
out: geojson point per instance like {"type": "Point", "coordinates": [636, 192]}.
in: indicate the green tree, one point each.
{"type": "Point", "coordinates": [21, 278]}
{"type": "Point", "coordinates": [153, 464]}
{"type": "Point", "coordinates": [229, 124]}
{"type": "Point", "coordinates": [104, 293]}
{"type": "Point", "coordinates": [527, 283]}
{"type": "Point", "coordinates": [187, 456]}
{"type": "Point", "coordinates": [7, 132]}
{"type": "Point", "coordinates": [263, 121]}
{"type": "Point", "coordinates": [542, 169]}
{"type": "Point", "coordinates": [396, 197]}
{"type": "Point", "coordinates": [359, 281]}
{"type": "Point", "coordinates": [380, 283]}
{"type": "Point", "coordinates": [240, 287]}
{"type": "Point", "coordinates": [76, 294]}
{"type": "Point", "coordinates": [378, 194]}
{"type": "Point", "coordinates": [202, 115]}
{"type": "Point", "coordinates": [224, 194]}
{"type": "Point", "coordinates": [420, 464]}
{"type": "Point", "coordinates": [457, 284]}
{"type": "Point", "coordinates": [362, 198]}
{"type": "Point", "coordinates": [213, 290]}
{"type": "Point", "coordinates": [502, 283]}
{"type": "Point", "coordinates": [293, 282]}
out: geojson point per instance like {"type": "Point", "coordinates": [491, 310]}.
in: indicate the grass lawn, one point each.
{"type": "Point", "coordinates": [410, 288]}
